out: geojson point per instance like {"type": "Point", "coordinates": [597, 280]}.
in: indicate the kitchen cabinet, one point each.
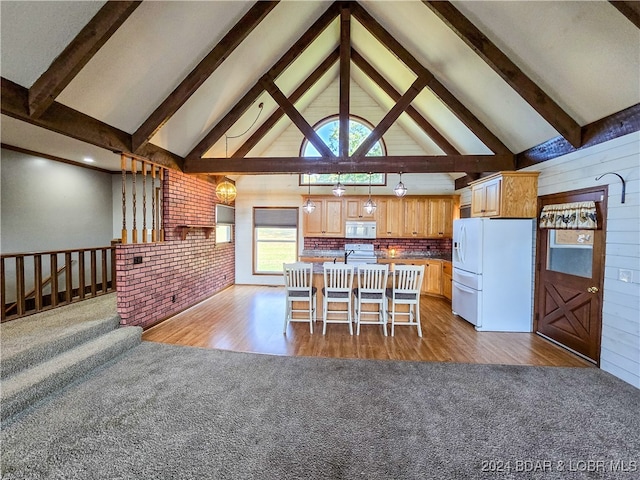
{"type": "Point", "coordinates": [447, 278]}
{"type": "Point", "coordinates": [326, 220]}
{"type": "Point", "coordinates": [388, 217]}
{"type": "Point", "coordinates": [506, 195]}
{"type": "Point", "coordinates": [414, 217]}
{"type": "Point", "coordinates": [432, 282]}
{"type": "Point", "coordinates": [354, 209]}
{"type": "Point", "coordinates": [440, 217]}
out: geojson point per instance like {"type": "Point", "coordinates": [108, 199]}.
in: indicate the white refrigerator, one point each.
{"type": "Point", "coordinates": [493, 273]}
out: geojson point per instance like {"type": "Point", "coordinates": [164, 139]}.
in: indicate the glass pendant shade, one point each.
{"type": "Point", "coordinates": [400, 189]}
{"type": "Point", "coordinates": [308, 206]}
{"type": "Point", "coordinates": [226, 192]}
{"type": "Point", "coordinates": [370, 206]}
{"type": "Point", "coordinates": [338, 189]}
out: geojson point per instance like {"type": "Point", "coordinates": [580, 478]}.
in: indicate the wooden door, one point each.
{"type": "Point", "coordinates": [569, 282]}
{"type": "Point", "coordinates": [333, 219]}
{"type": "Point", "coordinates": [415, 224]}
{"type": "Point", "coordinates": [394, 217]}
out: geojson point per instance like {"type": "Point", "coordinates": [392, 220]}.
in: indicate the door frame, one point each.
{"type": "Point", "coordinates": [601, 211]}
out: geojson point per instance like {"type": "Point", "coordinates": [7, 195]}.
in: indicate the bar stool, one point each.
{"type": "Point", "coordinates": [407, 281]}
{"type": "Point", "coordinates": [338, 281]}
{"type": "Point", "coordinates": [372, 284]}
{"type": "Point", "coordinates": [298, 278]}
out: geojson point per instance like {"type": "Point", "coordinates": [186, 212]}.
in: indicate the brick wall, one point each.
{"type": "Point", "coordinates": [442, 245]}
{"type": "Point", "coordinates": [175, 274]}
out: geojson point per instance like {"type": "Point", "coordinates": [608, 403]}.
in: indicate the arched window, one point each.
{"type": "Point", "coordinates": [329, 129]}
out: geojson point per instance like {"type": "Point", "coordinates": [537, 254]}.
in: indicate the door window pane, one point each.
{"type": "Point", "coordinates": [570, 252]}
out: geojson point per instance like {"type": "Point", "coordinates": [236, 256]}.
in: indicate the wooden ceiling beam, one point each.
{"type": "Point", "coordinates": [422, 122]}
{"type": "Point", "coordinates": [296, 117]}
{"type": "Point", "coordinates": [218, 130]}
{"type": "Point", "coordinates": [270, 122]}
{"type": "Point", "coordinates": [508, 71]}
{"type": "Point", "coordinates": [391, 116]}
{"type": "Point", "coordinates": [631, 10]}
{"type": "Point", "coordinates": [77, 54]}
{"type": "Point", "coordinates": [345, 80]}
{"type": "Point", "coordinates": [69, 122]}
{"type": "Point", "coordinates": [457, 108]}
{"type": "Point", "coordinates": [393, 164]}
{"type": "Point", "coordinates": [201, 72]}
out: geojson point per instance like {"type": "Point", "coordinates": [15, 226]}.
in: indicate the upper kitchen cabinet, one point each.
{"type": "Point", "coordinates": [415, 217]}
{"type": "Point", "coordinates": [354, 209]}
{"type": "Point", "coordinates": [327, 220]}
{"type": "Point", "coordinates": [440, 217]}
{"type": "Point", "coordinates": [388, 217]}
{"type": "Point", "coordinates": [505, 194]}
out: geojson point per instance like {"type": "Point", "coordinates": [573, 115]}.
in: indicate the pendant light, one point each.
{"type": "Point", "coordinates": [309, 206]}
{"type": "Point", "coordinates": [369, 205]}
{"type": "Point", "coordinates": [400, 189]}
{"type": "Point", "coordinates": [338, 189]}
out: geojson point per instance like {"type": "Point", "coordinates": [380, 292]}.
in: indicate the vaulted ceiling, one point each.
{"type": "Point", "coordinates": [210, 87]}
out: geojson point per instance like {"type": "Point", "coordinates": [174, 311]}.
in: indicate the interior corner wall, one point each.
{"type": "Point", "coordinates": [48, 205]}
{"type": "Point", "coordinates": [175, 274]}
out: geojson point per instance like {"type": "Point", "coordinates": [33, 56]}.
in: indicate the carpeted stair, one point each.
{"type": "Point", "coordinates": [43, 353]}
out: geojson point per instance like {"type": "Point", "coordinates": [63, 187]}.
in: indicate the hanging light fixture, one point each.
{"type": "Point", "coordinates": [309, 206]}
{"type": "Point", "coordinates": [369, 205]}
{"type": "Point", "coordinates": [400, 189]}
{"type": "Point", "coordinates": [226, 192]}
{"type": "Point", "coordinates": [338, 188]}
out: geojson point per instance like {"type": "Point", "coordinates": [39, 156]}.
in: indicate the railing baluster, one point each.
{"type": "Point", "coordinates": [3, 291]}
{"type": "Point", "coordinates": [94, 273]}
{"type": "Point", "coordinates": [20, 284]}
{"type": "Point", "coordinates": [54, 279]}
{"type": "Point", "coordinates": [37, 277]}
{"type": "Point", "coordinates": [134, 192]}
{"type": "Point", "coordinates": [161, 210]}
{"type": "Point", "coordinates": [104, 270]}
{"type": "Point", "coordinates": [81, 279]}
{"type": "Point", "coordinates": [144, 202]}
{"type": "Point", "coordinates": [154, 236]}
{"type": "Point", "coordinates": [68, 273]}
{"type": "Point", "coordinates": [123, 167]}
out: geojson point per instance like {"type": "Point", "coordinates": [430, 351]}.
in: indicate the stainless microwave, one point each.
{"type": "Point", "coordinates": [356, 229]}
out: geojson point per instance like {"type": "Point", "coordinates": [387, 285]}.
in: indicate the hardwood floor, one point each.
{"type": "Point", "coordinates": [250, 319]}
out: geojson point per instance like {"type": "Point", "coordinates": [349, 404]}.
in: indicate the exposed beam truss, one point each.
{"type": "Point", "coordinates": [345, 80]}
{"type": "Point", "coordinates": [630, 9]}
{"type": "Point", "coordinates": [77, 54]}
{"type": "Point", "coordinates": [203, 70]}
{"type": "Point", "coordinates": [392, 164]}
{"type": "Point", "coordinates": [508, 71]}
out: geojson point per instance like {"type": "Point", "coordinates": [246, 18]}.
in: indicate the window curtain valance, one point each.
{"type": "Point", "coordinates": [575, 216]}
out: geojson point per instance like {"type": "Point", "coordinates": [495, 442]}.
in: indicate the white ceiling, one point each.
{"type": "Point", "coordinates": [584, 54]}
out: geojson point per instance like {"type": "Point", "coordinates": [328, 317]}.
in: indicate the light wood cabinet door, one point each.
{"type": "Point", "coordinates": [440, 218]}
{"type": "Point", "coordinates": [388, 217]}
{"type": "Point", "coordinates": [354, 209]}
{"type": "Point", "coordinates": [485, 198]}
{"type": "Point", "coordinates": [446, 280]}
{"type": "Point", "coordinates": [432, 283]}
{"type": "Point", "coordinates": [415, 218]}
{"type": "Point", "coordinates": [326, 220]}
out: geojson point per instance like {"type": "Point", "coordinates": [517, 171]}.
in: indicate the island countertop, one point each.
{"type": "Point", "coordinates": [380, 254]}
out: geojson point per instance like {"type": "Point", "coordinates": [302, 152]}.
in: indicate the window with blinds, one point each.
{"type": "Point", "coordinates": [275, 238]}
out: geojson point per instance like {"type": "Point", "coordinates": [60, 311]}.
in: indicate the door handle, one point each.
{"type": "Point", "coordinates": [593, 289]}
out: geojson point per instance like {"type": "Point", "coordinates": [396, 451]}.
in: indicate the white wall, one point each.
{"type": "Point", "coordinates": [620, 352]}
{"type": "Point", "coordinates": [48, 205]}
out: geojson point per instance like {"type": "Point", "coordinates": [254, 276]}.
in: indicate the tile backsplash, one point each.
{"type": "Point", "coordinates": [440, 245]}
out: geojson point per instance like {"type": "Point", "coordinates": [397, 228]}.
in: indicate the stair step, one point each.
{"type": "Point", "coordinates": [34, 384]}
{"type": "Point", "coordinates": [29, 341]}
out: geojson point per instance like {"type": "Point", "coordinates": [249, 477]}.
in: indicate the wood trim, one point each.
{"type": "Point", "coordinates": [209, 64]}
{"type": "Point", "coordinates": [391, 116]}
{"type": "Point", "coordinates": [610, 127]}
{"type": "Point", "coordinates": [422, 122]}
{"type": "Point", "coordinates": [295, 116]}
{"type": "Point", "coordinates": [269, 123]}
{"type": "Point", "coordinates": [345, 80]}
{"type": "Point", "coordinates": [216, 132]}
{"type": "Point", "coordinates": [392, 164]}
{"type": "Point", "coordinates": [77, 54]}
{"type": "Point", "coordinates": [456, 107]}
{"type": "Point", "coordinates": [69, 122]}
{"type": "Point", "coordinates": [508, 71]}
{"type": "Point", "coordinates": [631, 10]}
{"type": "Point", "coordinates": [54, 158]}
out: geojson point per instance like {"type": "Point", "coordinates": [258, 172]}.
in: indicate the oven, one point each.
{"type": "Point", "coordinates": [359, 253]}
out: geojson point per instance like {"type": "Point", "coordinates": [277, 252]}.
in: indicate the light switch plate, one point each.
{"type": "Point", "coordinates": [625, 275]}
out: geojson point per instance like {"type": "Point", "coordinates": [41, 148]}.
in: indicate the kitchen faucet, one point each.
{"type": "Point", "coordinates": [346, 255]}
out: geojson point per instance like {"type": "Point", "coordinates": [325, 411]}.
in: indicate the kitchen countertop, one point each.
{"type": "Point", "coordinates": [382, 254]}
